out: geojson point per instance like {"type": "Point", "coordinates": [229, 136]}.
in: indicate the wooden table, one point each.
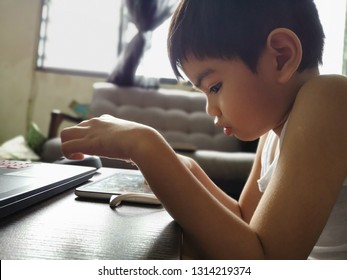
{"type": "Point", "coordinates": [65, 227]}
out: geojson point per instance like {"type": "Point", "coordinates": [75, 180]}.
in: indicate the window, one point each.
{"type": "Point", "coordinates": [74, 37]}
{"type": "Point", "coordinates": [87, 35]}
{"type": "Point", "coordinates": [333, 19]}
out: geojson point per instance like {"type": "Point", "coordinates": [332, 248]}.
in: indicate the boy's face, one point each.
{"type": "Point", "coordinates": [244, 103]}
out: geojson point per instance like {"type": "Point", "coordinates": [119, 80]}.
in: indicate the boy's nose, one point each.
{"type": "Point", "coordinates": [212, 109]}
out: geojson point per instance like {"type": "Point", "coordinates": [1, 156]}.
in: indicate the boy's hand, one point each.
{"type": "Point", "coordinates": [105, 136]}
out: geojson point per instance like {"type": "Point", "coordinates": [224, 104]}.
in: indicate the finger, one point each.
{"type": "Point", "coordinates": [74, 132]}
{"type": "Point", "coordinates": [76, 156]}
{"type": "Point", "coordinates": [85, 122]}
{"type": "Point", "coordinates": [75, 149]}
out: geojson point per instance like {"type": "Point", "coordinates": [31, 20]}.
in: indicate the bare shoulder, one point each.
{"type": "Point", "coordinates": [328, 81]}
{"type": "Point", "coordinates": [320, 114]}
{"type": "Point", "coordinates": [311, 168]}
{"type": "Point", "coordinates": [329, 88]}
{"type": "Point", "coordinates": [317, 131]}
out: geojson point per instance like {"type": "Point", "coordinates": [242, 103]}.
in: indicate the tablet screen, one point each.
{"type": "Point", "coordinates": [120, 182]}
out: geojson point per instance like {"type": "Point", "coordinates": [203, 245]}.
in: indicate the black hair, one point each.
{"type": "Point", "coordinates": [239, 29]}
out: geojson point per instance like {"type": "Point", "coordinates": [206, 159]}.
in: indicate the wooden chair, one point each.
{"type": "Point", "coordinates": [57, 117]}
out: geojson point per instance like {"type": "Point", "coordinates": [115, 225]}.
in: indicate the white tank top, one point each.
{"type": "Point", "coordinates": [332, 243]}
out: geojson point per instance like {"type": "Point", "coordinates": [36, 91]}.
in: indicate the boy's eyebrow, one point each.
{"type": "Point", "coordinates": [201, 76]}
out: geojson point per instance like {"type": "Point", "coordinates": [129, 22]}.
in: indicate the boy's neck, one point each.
{"type": "Point", "coordinates": [302, 78]}
{"type": "Point", "coordinates": [297, 82]}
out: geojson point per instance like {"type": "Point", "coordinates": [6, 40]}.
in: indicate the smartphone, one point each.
{"type": "Point", "coordinates": [128, 184]}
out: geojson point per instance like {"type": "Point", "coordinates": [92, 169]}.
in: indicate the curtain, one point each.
{"type": "Point", "coordinates": [146, 15]}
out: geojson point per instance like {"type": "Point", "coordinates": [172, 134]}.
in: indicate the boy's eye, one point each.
{"type": "Point", "coordinates": [215, 88]}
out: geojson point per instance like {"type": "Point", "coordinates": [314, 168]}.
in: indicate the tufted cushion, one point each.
{"type": "Point", "coordinates": [178, 115]}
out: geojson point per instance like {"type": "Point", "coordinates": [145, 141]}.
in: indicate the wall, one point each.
{"type": "Point", "coordinates": [26, 94]}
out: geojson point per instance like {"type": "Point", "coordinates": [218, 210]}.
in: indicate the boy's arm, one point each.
{"type": "Point", "coordinates": [244, 208]}
{"type": "Point", "coordinates": [250, 194]}
{"type": "Point", "coordinates": [204, 218]}
{"type": "Point", "coordinates": [310, 171]}
{"type": "Point", "coordinates": [200, 174]}
{"type": "Point", "coordinates": [203, 212]}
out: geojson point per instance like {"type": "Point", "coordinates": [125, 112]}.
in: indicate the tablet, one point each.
{"type": "Point", "coordinates": [126, 184]}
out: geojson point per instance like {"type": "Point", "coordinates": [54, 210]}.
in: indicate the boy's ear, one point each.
{"type": "Point", "coordinates": [286, 48]}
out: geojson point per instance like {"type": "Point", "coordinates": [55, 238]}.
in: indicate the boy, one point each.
{"type": "Point", "coordinates": [257, 62]}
